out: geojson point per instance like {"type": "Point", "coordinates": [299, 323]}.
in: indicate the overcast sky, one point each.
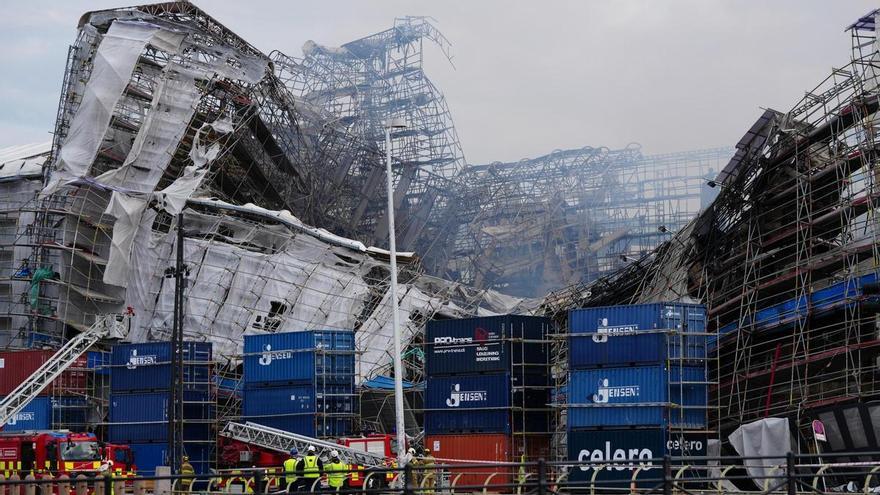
{"type": "Point", "coordinates": [529, 77]}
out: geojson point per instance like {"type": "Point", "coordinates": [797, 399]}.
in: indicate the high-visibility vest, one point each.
{"type": "Point", "coordinates": [310, 467]}
{"type": "Point", "coordinates": [290, 471]}
{"type": "Point", "coordinates": [336, 474]}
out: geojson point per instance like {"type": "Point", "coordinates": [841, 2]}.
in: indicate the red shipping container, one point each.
{"type": "Point", "coordinates": [16, 366]}
{"type": "Point", "coordinates": [489, 448]}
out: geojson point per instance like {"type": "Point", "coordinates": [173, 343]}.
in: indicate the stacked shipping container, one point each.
{"type": "Point", "coordinates": [487, 392]}
{"type": "Point", "coordinates": [140, 398]}
{"type": "Point", "coordinates": [60, 405]}
{"type": "Point", "coordinates": [301, 382]}
{"type": "Point", "coordinates": [637, 383]}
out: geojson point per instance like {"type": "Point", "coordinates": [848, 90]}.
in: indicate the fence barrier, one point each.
{"type": "Point", "coordinates": [625, 473]}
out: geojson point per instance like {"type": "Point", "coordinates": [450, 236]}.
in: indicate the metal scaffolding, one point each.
{"type": "Point", "coordinates": [786, 258]}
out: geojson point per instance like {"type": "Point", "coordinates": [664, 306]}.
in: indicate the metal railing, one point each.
{"type": "Point", "coordinates": [624, 473]}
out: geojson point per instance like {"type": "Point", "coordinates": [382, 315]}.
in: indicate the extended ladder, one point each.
{"type": "Point", "coordinates": [283, 441]}
{"type": "Point", "coordinates": [115, 326]}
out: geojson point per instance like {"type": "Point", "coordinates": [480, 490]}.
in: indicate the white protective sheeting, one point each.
{"type": "Point", "coordinates": [231, 289]}
{"type": "Point", "coordinates": [128, 211]}
{"type": "Point", "coordinates": [171, 110]}
{"type": "Point", "coordinates": [769, 437]}
{"type": "Point", "coordinates": [275, 277]}
{"type": "Point", "coordinates": [114, 62]}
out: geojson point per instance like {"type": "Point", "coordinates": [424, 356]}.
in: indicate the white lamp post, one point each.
{"type": "Point", "coordinates": [392, 247]}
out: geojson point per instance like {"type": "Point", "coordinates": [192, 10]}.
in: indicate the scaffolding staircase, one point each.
{"type": "Point", "coordinates": [283, 441]}
{"type": "Point", "coordinates": [105, 326]}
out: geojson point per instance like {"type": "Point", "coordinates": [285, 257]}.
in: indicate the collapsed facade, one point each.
{"type": "Point", "coordinates": [272, 166]}
{"type": "Point", "coordinates": [786, 260]}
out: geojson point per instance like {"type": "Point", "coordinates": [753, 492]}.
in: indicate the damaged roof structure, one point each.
{"type": "Point", "coordinates": [274, 165]}
{"type": "Point", "coordinates": [164, 111]}
{"type": "Point", "coordinates": [786, 261]}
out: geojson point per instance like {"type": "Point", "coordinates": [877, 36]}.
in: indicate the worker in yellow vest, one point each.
{"type": "Point", "coordinates": [337, 473]}
{"type": "Point", "coordinates": [289, 468]}
{"type": "Point", "coordinates": [309, 469]}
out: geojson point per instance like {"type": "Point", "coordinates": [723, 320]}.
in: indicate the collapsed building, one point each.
{"type": "Point", "coordinates": [271, 166]}
{"type": "Point", "coordinates": [785, 260]}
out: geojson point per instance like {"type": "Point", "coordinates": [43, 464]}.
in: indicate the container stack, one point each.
{"type": "Point", "coordinates": [301, 382]}
{"type": "Point", "coordinates": [637, 386]}
{"type": "Point", "coordinates": [487, 391]}
{"type": "Point", "coordinates": [140, 397]}
{"type": "Point", "coordinates": [60, 406]}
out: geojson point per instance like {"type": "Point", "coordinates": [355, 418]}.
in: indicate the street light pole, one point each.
{"type": "Point", "coordinates": [392, 247]}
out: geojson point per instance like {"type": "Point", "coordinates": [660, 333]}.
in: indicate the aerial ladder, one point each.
{"type": "Point", "coordinates": [105, 326]}
{"type": "Point", "coordinates": [283, 441]}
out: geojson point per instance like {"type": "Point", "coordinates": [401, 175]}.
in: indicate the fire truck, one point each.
{"type": "Point", "coordinates": [60, 452]}
{"type": "Point", "coordinates": [251, 445]}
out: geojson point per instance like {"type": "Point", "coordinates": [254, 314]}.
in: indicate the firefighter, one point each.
{"type": "Point", "coordinates": [309, 469]}
{"type": "Point", "coordinates": [337, 473]}
{"type": "Point", "coordinates": [289, 468]}
{"type": "Point", "coordinates": [429, 474]}
{"type": "Point", "coordinates": [186, 469]}
{"type": "Point", "coordinates": [414, 462]}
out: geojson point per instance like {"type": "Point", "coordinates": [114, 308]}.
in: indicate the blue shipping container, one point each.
{"type": "Point", "coordinates": [454, 393]}
{"type": "Point", "coordinates": [469, 421]}
{"type": "Point", "coordinates": [149, 455]}
{"type": "Point", "coordinates": [37, 415]}
{"type": "Point", "coordinates": [626, 334]}
{"type": "Point", "coordinates": [631, 449]}
{"type": "Point", "coordinates": [638, 396]}
{"type": "Point", "coordinates": [652, 346]}
{"type": "Point", "coordinates": [480, 345]}
{"type": "Point", "coordinates": [299, 399]}
{"type": "Point", "coordinates": [482, 403]}
{"type": "Point", "coordinates": [98, 362]}
{"type": "Point", "coordinates": [147, 366]}
{"type": "Point", "coordinates": [315, 356]}
{"type": "Point", "coordinates": [44, 413]}
{"type": "Point", "coordinates": [309, 425]}
{"type": "Point", "coordinates": [144, 417]}
{"type": "Point", "coordinates": [613, 320]}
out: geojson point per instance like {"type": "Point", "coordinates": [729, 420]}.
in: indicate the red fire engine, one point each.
{"type": "Point", "coordinates": [376, 444]}
{"type": "Point", "coordinates": [238, 454]}
{"type": "Point", "coordinates": [57, 453]}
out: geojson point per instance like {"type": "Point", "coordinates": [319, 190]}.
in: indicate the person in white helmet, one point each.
{"type": "Point", "coordinates": [337, 473]}
{"type": "Point", "coordinates": [309, 469]}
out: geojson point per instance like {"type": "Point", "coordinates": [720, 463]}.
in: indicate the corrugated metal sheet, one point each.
{"type": "Point", "coordinates": [624, 319]}
{"type": "Point", "coordinates": [317, 356]}
{"type": "Point", "coordinates": [632, 448]}
{"type": "Point", "coordinates": [143, 417]}
{"type": "Point", "coordinates": [644, 347]}
{"type": "Point", "coordinates": [636, 396]}
{"type": "Point", "coordinates": [480, 345]}
{"type": "Point", "coordinates": [17, 366]}
{"type": "Point", "coordinates": [147, 366]}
